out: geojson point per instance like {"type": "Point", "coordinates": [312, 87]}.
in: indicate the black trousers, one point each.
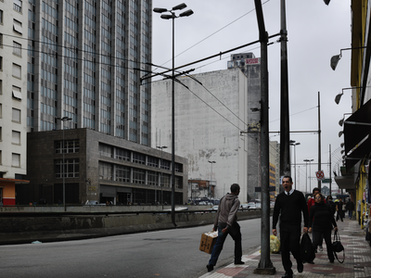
{"type": "Point", "coordinates": [290, 243]}
{"type": "Point", "coordinates": [326, 235]}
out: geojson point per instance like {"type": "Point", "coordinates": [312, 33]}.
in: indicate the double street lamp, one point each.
{"type": "Point", "coordinates": [294, 144]}
{"type": "Point", "coordinates": [170, 14]}
{"type": "Point", "coordinates": [308, 161]}
{"type": "Point", "coordinates": [63, 119]}
{"type": "Point", "coordinates": [161, 177]}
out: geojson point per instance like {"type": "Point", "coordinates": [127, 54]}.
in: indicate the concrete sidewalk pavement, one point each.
{"type": "Point", "coordinates": [357, 261]}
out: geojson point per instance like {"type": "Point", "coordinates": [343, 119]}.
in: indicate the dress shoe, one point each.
{"type": "Point", "coordinates": [300, 267]}
{"type": "Point", "coordinates": [288, 275]}
{"type": "Point", "coordinates": [210, 267]}
{"type": "Point", "coordinates": [240, 262]}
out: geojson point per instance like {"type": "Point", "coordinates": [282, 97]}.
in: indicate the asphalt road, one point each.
{"type": "Point", "coordinates": [168, 253]}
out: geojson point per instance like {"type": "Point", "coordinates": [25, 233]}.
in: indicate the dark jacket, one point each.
{"type": "Point", "coordinates": [227, 210]}
{"type": "Point", "coordinates": [350, 206]}
{"type": "Point", "coordinates": [290, 209]}
{"type": "Point", "coordinates": [321, 217]}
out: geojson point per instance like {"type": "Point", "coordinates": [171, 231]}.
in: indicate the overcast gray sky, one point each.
{"type": "Point", "coordinates": [315, 33]}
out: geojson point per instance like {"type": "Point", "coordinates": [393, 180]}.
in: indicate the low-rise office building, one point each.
{"type": "Point", "coordinates": [94, 166]}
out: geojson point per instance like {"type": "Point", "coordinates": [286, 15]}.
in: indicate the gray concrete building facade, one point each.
{"type": "Point", "coordinates": [98, 167]}
{"type": "Point", "coordinates": [251, 68]}
{"type": "Point", "coordinates": [210, 113]}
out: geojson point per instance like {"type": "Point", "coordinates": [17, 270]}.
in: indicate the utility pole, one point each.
{"type": "Point", "coordinates": [330, 170]}
{"type": "Point", "coordinates": [319, 140]}
{"type": "Point", "coordinates": [284, 127]}
{"type": "Point", "coordinates": [265, 265]}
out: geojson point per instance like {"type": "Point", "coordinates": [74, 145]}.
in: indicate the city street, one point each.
{"type": "Point", "coordinates": [167, 253]}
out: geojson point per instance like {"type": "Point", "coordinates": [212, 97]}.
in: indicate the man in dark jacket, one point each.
{"type": "Point", "coordinates": [226, 223]}
{"type": "Point", "coordinates": [289, 206]}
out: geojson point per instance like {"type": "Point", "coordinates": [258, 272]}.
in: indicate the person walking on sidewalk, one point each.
{"type": "Point", "coordinates": [339, 209]}
{"type": "Point", "coordinates": [350, 208]}
{"type": "Point", "coordinates": [289, 206]}
{"type": "Point", "coordinates": [226, 223]}
{"type": "Point", "coordinates": [310, 203]}
{"type": "Point", "coordinates": [321, 223]}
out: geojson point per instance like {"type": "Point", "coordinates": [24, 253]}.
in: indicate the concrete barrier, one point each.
{"type": "Point", "coordinates": [25, 227]}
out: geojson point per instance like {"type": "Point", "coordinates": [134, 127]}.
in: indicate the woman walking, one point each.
{"type": "Point", "coordinates": [322, 221]}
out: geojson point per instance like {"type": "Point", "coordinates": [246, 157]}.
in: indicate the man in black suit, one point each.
{"type": "Point", "coordinates": [288, 208]}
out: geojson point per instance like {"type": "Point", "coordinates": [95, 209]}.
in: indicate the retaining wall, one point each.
{"type": "Point", "coordinates": [25, 227]}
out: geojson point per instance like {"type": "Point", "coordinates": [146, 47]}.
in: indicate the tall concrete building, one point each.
{"type": "Point", "coordinates": [13, 100]}
{"type": "Point", "coordinates": [251, 68]}
{"type": "Point", "coordinates": [210, 115]}
{"type": "Point", "coordinates": [85, 61]}
{"type": "Point", "coordinates": [80, 69]}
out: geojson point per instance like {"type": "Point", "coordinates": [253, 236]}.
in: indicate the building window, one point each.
{"type": "Point", "coordinates": [165, 180]}
{"type": "Point", "coordinates": [152, 161]}
{"type": "Point", "coordinates": [152, 178]}
{"type": "Point", "coordinates": [16, 115]}
{"type": "Point", "coordinates": [71, 168]}
{"type": "Point", "coordinates": [18, 6]}
{"type": "Point", "coordinates": [139, 176]}
{"type": "Point", "coordinates": [16, 160]}
{"type": "Point", "coordinates": [105, 171]}
{"type": "Point", "coordinates": [16, 92]}
{"type": "Point", "coordinates": [17, 26]}
{"type": "Point", "coordinates": [16, 71]}
{"type": "Point", "coordinates": [122, 154]}
{"type": "Point", "coordinates": [16, 137]}
{"type": "Point", "coordinates": [71, 146]}
{"type": "Point", "coordinates": [139, 158]}
{"type": "Point", "coordinates": [122, 173]}
{"type": "Point", "coordinates": [17, 49]}
{"type": "Point", "coordinates": [165, 164]}
{"type": "Point", "coordinates": [105, 150]}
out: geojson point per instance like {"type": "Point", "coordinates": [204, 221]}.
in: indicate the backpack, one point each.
{"type": "Point", "coordinates": [307, 251]}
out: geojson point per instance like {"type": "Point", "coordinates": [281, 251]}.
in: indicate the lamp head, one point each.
{"type": "Point", "coordinates": [160, 10]}
{"type": "Point", "coordinates": [167, 16]}
{"type": "Point", "coordinates": [335, 60]}
{"type": "Point", "coordinates": [186, 13]}
{"type": "Point", "coordinates": [338, 97]}
{"type": "Point", "coordinates": [179, 7]}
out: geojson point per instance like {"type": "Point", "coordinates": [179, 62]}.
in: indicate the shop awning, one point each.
{"type": "Point", "coordinates": [345, 182]}
{"type": "Point", "coordinates": [357, 135]}
{"type": "Point", "coordinates": [16, 181]}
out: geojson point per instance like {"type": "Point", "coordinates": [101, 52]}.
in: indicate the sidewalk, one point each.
{"type": "Point", "coordinates": [357, 261]}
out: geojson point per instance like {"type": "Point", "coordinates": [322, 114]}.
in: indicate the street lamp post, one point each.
{"type": "Point", "coordinates": [307, 161]}
{"type": "Point", "coordinates": [172, 16]}
{"type": "Point", "coordinates": [209, 188]}
{"type": "Point", "coordinates": [63, 119]}
{"type": "Point", "coordinates": [294, 144]}
{"type": "Point", "coordinates": [161, 177]}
